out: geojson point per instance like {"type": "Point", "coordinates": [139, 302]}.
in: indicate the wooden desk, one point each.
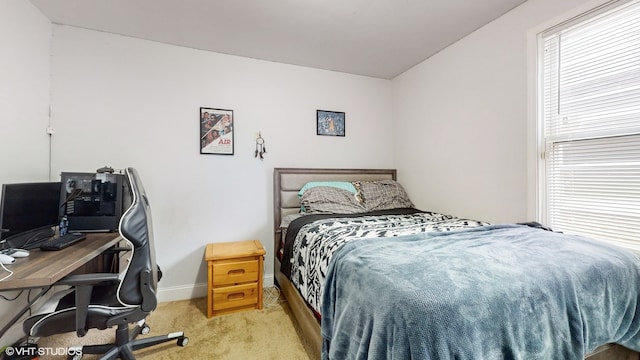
{"type": "Point", "coordinates": [44, 268]}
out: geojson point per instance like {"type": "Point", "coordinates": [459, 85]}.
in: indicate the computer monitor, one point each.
{"type": "Point", "coordinates": [28, 209]}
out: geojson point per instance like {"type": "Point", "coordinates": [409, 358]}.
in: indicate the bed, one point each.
{"type": "Point", "coordinates": [331, 292]}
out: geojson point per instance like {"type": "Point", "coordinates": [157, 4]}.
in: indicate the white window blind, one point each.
{"type": "Point", "coordinates": [590, 97]}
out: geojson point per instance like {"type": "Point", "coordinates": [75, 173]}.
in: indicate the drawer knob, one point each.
{"type": "Point", "coordinates": [236, 272]}
{"type": "Point", "coordinates": [235, 296]}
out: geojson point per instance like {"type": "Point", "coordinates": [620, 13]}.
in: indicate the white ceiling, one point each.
{"type": "Point", "coordinates": [378, 38]}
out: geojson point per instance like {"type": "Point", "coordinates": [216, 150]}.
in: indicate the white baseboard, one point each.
{"type": "Point", "coordinates": [186, 292]}
{"type": "Point", "coordinates": [183, 292]}
{"type": "Point", "coordinates": [268, 280]}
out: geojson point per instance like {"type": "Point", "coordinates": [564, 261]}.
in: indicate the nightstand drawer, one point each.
{"type": "Point", "coordinates": [235, 296]}
{"type": "Point", "coordinates": [235, 272]}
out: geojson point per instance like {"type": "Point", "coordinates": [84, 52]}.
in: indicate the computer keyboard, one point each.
{"type": "Point", "coordinates": [62, 242]}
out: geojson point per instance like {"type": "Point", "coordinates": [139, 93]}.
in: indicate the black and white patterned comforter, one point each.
{"type": "Point", "coordinates": [311, 241]}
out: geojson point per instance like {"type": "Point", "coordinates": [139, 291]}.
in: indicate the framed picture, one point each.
{"type": "Point", "coordinates": [330, 123]}
{"type": "Point", "coordinates": [216, 131]}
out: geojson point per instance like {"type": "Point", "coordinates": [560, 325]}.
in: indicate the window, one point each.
{"type": "Point", "coordinates": [590, 125]}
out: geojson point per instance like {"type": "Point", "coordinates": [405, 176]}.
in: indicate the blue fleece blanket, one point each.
{"type": "Point", "coordinates": [493, 292]}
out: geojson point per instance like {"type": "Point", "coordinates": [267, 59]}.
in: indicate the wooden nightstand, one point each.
{"type": "Point", "coordinates": [235, 271]}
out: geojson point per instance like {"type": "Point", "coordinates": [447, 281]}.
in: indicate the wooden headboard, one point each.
{"type": "Point", "coordinates": [288, 181]}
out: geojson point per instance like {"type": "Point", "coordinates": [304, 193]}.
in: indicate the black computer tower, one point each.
{"type": "Point", "coordinates": [93, 202]}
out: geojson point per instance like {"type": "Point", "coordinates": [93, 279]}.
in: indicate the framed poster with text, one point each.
{"type": "Point", "coordinates": [216, 131]}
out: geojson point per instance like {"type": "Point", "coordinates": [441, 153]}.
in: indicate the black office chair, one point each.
{"type": "Point", "coordinates": [105, 300]}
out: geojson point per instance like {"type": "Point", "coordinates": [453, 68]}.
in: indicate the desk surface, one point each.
{"type": "Point", "coordinates": [44, 268]}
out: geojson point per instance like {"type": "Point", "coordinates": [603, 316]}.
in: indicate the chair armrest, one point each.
{"type": "Point", "coordinates": [83, 284]}
{"type": "Point", "coordinates": [117, 249]}
{"type": "Point", "coordinates": [88, 279]}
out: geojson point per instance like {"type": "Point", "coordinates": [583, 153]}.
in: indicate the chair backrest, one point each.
{"type": "Point", "coordinates": [136, 228]}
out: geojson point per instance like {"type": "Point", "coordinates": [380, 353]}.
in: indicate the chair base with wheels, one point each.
{"type": "Point", "coordinates": [126, 342]}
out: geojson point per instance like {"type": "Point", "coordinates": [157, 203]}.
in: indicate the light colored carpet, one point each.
{"type": "Point", "coordinates": [270, 333]}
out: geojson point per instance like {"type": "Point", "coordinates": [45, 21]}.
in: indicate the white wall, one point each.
{"type": "Point", "coordinates": [464, 134]}
{"type": "Point", "coordinates": [122, 102]}
{"type": "Point", "coordinates": [25, 36]}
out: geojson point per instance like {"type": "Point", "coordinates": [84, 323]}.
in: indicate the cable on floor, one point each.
{"type": "Point", "coordinates": [270, 296]}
